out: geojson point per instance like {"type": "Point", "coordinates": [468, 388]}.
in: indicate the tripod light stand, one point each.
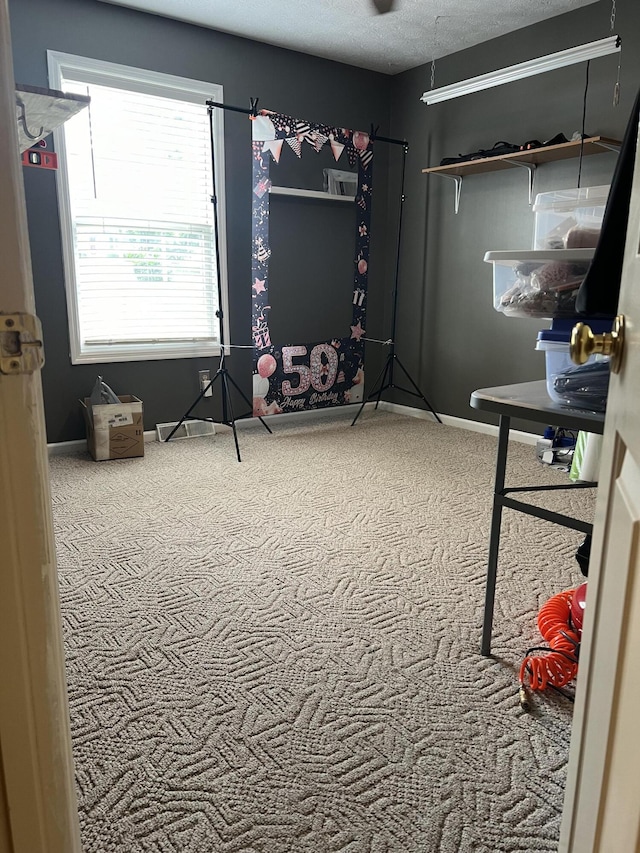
{"type": "Point", "coordinates": [222, 374]}
{"type": "Point", "coordinates": [386, 378]}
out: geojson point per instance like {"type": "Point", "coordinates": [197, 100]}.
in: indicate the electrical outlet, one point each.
{"type": "Point", "coordinates": [205, 379]}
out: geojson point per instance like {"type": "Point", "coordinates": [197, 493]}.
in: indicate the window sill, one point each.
{"type": "Point", "coordinates": [143, 353]}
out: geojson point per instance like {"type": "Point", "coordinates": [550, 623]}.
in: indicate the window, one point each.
{"type": "Point", "coordinates": [137, 222]}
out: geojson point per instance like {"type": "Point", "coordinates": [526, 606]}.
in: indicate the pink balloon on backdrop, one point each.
{"type": "Point", "coordinates": [266, 365]}
{"type": "Point", "coordinates": [362, 266]}
{"type": "Point", "coordinates": [360, 140]}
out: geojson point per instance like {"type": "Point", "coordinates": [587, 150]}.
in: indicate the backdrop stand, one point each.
{"type": "Point", "coordinates": [222, 374]}
{"type": "Point", "coordinates": [227, 418]}
{"type": "Point", "coordinates": [386, 378]}
{"type": "Point", "coordinates": [386, 381]}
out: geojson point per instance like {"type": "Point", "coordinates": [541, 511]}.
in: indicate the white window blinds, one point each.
{"type": "Point", "coordinates": [139, 182]}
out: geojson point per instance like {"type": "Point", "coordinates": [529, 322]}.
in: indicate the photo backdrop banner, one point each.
{"type": "Point", "coordinates": [299, 376]}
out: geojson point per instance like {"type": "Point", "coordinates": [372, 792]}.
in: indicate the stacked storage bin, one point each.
{"type": "Point", "coordinates": [544, 283]}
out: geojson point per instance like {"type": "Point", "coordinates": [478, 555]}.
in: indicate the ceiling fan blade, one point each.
{"type": "Point", "coordinates": [383, 6]}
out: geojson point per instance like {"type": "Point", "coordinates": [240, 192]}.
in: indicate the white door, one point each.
{"type": "Point", "coordinates": [38, 812]}
{"type": "Point", "coordinates": [602, 805]}
{"type": "Point", "coordinates": [37, 801]}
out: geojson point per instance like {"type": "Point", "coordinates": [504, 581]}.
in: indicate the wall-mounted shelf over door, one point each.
{"type": "Point", "coordinates": [528, 160]}
{"type": "Point", "coordinates": [39, 111]}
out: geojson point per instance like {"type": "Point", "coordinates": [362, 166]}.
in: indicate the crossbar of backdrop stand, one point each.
{"type": "Point", "coordinates": [253, 111]}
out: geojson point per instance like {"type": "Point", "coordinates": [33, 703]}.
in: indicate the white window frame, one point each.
{"type": "Point", "coordinates": [153, 83]}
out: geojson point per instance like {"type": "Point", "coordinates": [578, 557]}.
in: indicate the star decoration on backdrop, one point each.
{"type": "Point", "coordinates": [357, 331]}
{"type": "Point", "coordinates": [259, 286]}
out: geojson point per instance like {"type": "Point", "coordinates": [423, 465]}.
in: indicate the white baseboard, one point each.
{"type": "Point", "coordinates": [335, 412]}
{"type": "Point", "coordinates": [57, 448]}
{"type": "Point", "coordinates": [349, 412]}
{"type": "Point", "coordinates": [461, 423]}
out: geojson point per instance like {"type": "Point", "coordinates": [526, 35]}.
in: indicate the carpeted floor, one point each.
{"type": "Point", "coordinates": [282, 655]}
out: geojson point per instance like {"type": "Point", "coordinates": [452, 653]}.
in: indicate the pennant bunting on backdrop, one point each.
{"type": "Point", "coordinates": [303, 131]}
{"type": "Point", "coordinates": [326, 373]}
{"type": "Point", "coordinates": [318, 139]}
{"type": "Point", "coordinates": [337, 149]}
{"type": "Point", "coordinates": [275, 148]}
{"type": "Point", "coordinates": [295, 144]}
{"type": "Point", "coordinates": [366, 156]}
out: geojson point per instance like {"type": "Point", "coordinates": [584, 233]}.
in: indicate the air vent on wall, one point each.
{"type": "Point", "coordinates": [188, 429]}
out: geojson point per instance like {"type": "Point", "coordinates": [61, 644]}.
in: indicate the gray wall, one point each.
{"type": "Point", "coordinates": [449, 334]}
{"type": "Point", "coordinates": [286, 81]}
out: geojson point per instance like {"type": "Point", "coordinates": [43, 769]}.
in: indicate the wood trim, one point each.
{"type": "Point", "coordinates": [546, 154]}
{"type": "Point", "coordinates": [6, 845]}
{"type": "Point", "coordinates": [40, 813]}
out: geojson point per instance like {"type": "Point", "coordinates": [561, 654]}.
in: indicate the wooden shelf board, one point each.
{"type": "Point", "coordinates": [546, 154]}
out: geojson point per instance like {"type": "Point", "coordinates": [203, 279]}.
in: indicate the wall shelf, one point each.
{"type": "Point", "coordinates": [39, 111]}
{"type": "Point", "coordinates": [309, 194]}
{"type": "Point", "coordinates": [528, 160]}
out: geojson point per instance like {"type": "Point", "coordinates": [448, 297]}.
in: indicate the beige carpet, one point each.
{"type": "Point", "coordinates": [282, 655]}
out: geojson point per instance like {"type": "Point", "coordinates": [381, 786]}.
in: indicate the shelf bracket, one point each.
{"type": "Point", "coordinates": [531, 168]}
{"type": "Point", "coordinates": [22, 118]}
{"type": "Point", "coordinates": [458, 181]}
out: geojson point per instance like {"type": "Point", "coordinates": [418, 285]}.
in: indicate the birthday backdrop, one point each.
{"type": "Point", "coordinates": [291, 376]}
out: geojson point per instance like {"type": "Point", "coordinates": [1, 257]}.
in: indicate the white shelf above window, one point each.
{"type": "Point", "coordinates": [310, 194]}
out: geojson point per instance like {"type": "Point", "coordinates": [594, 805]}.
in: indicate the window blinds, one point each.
{"type": "Point", "coordinates": [139, 174]}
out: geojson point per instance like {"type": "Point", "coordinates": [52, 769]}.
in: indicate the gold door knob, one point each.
{"type": "Point", "coordinates": [584, 343]}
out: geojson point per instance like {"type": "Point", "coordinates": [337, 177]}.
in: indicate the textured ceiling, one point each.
{"type": "Point", "coordinates": [350, 31]}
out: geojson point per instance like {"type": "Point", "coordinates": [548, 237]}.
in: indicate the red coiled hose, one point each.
{"type": "Point", "coordinates": [560, 663]}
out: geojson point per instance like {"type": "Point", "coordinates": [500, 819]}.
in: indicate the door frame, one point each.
{"type": "Point", "coordinates": [38, 807]}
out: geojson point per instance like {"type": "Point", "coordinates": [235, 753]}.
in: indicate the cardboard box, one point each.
{"type": "Point", "coordinates": [114, 431]}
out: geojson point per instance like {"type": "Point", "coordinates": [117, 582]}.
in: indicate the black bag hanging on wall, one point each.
{"type": "Point", "coordinates": [599, 292]}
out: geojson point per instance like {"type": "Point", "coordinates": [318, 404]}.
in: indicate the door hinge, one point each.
{"type": "Point", "coordinates": [21, 348]}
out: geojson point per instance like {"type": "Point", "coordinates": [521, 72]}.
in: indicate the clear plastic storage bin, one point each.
{"type": "Point", "coordinates": [538, 283]}
{"type": "Point", "coordinates": [569, 219]}
{"type": "Point", "coordinates": [583, 386]}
